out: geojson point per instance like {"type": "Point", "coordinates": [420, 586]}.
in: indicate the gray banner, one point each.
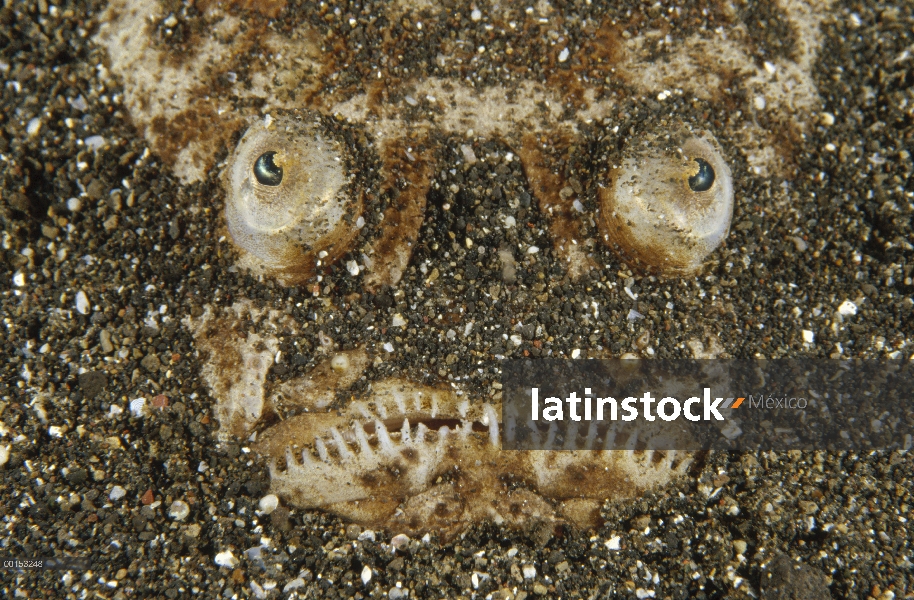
{"type": "Point", "coordinates": [803, 404]}
{"type": "Point", "coordinates": [63, 563]}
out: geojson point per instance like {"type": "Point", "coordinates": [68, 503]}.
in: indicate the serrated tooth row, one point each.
{"type": "Point", "coordinates": [385, 444]}
{"type": "Point", "coordinates": [592, 441]}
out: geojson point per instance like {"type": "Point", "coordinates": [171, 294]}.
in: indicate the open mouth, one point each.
{"type": "Point", "coordinates": [391, 437]}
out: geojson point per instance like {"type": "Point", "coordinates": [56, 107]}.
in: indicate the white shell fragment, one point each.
{"type": "Point", "coordinates": [179, 510]}
{"type": "Point", "coordinates": [226, 559]}
{"type": "Point", "coordinates": [268, 503]}
{"type": "Point", "coordinates": [650, 213]}
{"type": "Point", "coordinates": [33, 127]}
{"type": "Point", "coordinates": [138, 407]}
{"type": "Point", "coordinates": [82, 303]}
{"type": "Point", "coordinates": [94, 142]}
{"type": "Point", "coordinates": [847, 308]}
{"type": "Point", "coordinates": [399, 541]}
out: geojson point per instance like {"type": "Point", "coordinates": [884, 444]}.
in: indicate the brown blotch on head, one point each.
{"type": "Point", "coordinates": [195, 124]}
{"type": "Point", "coordinates": [369, 480]}
{"type": "Point", "coordinates": [411, 178]}
{"type": "Point", "coordinates": [546, 182]}
{"type": "Point", "coordinates": [593, 61]}
{"type": "Point", "coordinates": [575, 473]}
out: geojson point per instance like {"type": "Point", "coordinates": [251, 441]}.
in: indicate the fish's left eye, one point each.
{"type": "Point", "coordinates": [668, 201]}
{"type": "Point", "coordinates": [700, 181]}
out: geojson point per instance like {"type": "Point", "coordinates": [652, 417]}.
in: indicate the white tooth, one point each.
{"type": "Point", "coordinates": [609, 441]}
{"type": "Point", "coordinates": [290, 459]}
{"type": "Point", "coordinates": [493, 425]}
{"type": "Point", "coordinates": [322, 449]}
{"type": "Point", "coordinates": [272, 467]}
{"type": "Point", "coordinates": [420, 433]}
{"type": "Point", "coordinates": [591, 436]}
{"type": "Point", "coordinates": [405, 437]}
{"type": "Point", "coordinates": [382, 410]}
{"type": "Point", "coordinates": [510, 428]}
{"type": "Point", "coordinates": [306, 459]}
{"type": "Point", "coordinates": [400, 401]}
{"type": "Point", "coordinates": [536, 438]}
{"type": "Point", "coordinates": [434, 406]}
{"type": "Point", "coordinates": [571, 436]}
{"type": "Point", "coordinates": [633, 441]}
{"type": "Point", "coordinates": [362, 437]}
{"type": "Point", "coordinates": [384, 441]}
{"type": "Point", "coordinates": [463, 407]}
{"type": "Point", "coordinates": [443, 433]}
{"type": "Point", "coordinates": [550, 437]}
{"type": "Point", "coordinates": [345, 454]}
{"type": "Point", "coordinates": [362, 409]}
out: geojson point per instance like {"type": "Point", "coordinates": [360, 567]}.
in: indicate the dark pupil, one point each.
{"type": "Point", "coordinates": [267, 173]}
{"type": "Point", "coordinates": [704, 179]}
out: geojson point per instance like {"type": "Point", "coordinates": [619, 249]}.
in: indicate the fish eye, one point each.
{"type": "Point", "coordinates": [269, 173]}
{"type": "Point", "coordinates": [289, 204]}
{"type": "Point", "coordinates": [699, 182]}
{"type": "Point", "coordinates": [650, 218]}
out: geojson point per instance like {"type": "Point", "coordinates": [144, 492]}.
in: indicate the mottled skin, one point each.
{"type": "Point", "coordinates": [559, 92]}
{"type": "Point", "coordinates": [191, 103]}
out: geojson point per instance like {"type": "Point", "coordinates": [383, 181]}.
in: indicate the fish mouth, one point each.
{"type": "Point", "coordinates": [340, 438]}
{"type": "Point", "coordinates": [433, 424]}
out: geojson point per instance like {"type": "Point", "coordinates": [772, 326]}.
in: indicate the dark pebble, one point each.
{"type": "Point", "coordinates": [785, 579]}
{"type": "Point", "coordinates": [93, 383]}
{"type": "Point", "coordinates": [77, 476]}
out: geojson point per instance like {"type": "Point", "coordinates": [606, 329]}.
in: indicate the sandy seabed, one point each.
{"type": "Point", "coordinates": [106, 252]}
